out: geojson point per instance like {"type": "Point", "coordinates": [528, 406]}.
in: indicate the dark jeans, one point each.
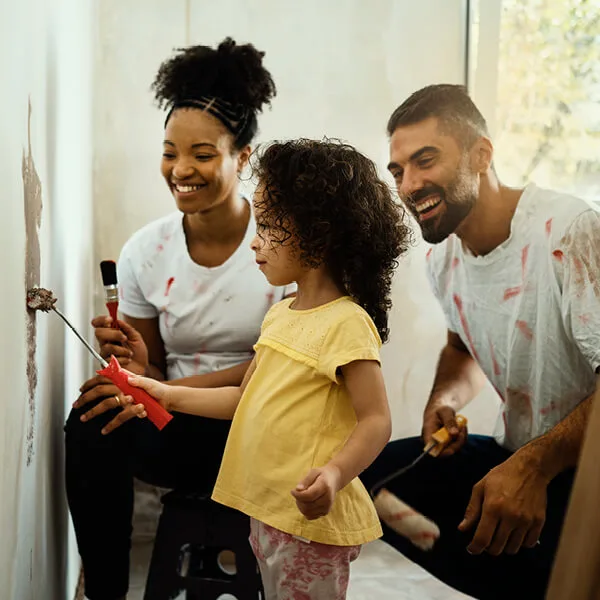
{"type": "Point", "coordinates": [99, 479]}
{"type": "Point", "coordinates": [440, 488]}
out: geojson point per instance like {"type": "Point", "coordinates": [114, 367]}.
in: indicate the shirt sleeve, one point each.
{"type": "Point", "coordinates": [132, 301]}
{"type": "Point", "coordinates": [355, 338]}
{"type": "Point", "coordinates": [578, 253]}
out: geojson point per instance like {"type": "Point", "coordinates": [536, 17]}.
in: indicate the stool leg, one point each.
{"type": "Point", "coordinates": [163, 578]}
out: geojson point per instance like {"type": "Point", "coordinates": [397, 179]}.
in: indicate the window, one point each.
{"type": "Point", "coordinates": [541, 59]}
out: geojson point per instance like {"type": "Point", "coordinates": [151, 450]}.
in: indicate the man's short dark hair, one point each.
{"type": "Point", "coordinates": [450, 104]}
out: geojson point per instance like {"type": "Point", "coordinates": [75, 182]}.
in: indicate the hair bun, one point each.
{"type": "Point", "coordinates": [232, 72]}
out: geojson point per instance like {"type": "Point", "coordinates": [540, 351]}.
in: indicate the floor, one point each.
{"type": "Point", "coordinates": [380, 572]}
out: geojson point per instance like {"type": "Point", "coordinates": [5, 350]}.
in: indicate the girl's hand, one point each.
{"type": "Point", "coordinates": [316, 492]}
{"type": "Point", "coordinates": [159, 391]}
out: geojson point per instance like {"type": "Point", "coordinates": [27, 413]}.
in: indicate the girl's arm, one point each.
{"type": "Point", "coordinates": [213, 403]}
{"type": "Point", "coordinates": [364, 380]}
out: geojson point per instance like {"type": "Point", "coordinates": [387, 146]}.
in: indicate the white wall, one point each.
{"type": "Point", "coordinates": [45, 61]}
{"type": "Point", "coordinates": [340, 69]}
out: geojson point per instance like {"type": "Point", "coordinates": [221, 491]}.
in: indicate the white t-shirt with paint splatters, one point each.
{"type": "Point", "coordinates": [529, 311]}
{"type": "Point", "coordinates": [209, 318]}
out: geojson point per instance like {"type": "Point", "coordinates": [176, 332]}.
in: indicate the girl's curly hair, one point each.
{"type": "Point", "coordinates": [232, 72]}
{"type": "Point", "coordinates": [328, 198]}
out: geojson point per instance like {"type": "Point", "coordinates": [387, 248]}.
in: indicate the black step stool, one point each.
{"type": "Point", "coordinates": [194, 529]}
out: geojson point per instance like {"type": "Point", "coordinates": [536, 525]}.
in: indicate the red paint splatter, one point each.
{"type": "Point", "coordinates": [402, 514]}
{"type": "Point", "coordinates": [170, 282]}
{"type": "Point", "coordinates": [580, 272]}
{"type": "Point", "coordinates": [505, 421]}
{"type": "Point", "coordinates": [548, 409]}
{"type": "Point", "coordinates": [549, 226]}
{"type": "Point", "coordinates": [512, 292]}
{"type": "Point", "coordinates": [160, 248]}
{"type": "Point", "coordinates": [559, 255]}
{"type": "Point", "coordinates": [584, 319]}
{"type": "Point", "coordinates": [428, 255]}
{"type": "Point", "coordinates": [461, 313]}
{"type": "Point", "coordinates": [424, 535]}
{"type": "Point", "coordinates": [515, 291]}
{"type": "Point", "coordinates": [495, 365]}
{"type": "Point", "coordinates": [450, 272]}
{"type": "Point", "coordinates": [524, 329]}
{"type": "Point", "coordinates": [524, 255]}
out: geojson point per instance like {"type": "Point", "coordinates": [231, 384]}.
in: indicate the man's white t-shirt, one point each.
{"type": "Point", "coordinates": [529, 311]}
{"type": "Point", "coordinates": [209, 318]}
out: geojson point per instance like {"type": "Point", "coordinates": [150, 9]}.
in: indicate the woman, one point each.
{"type": "Point", "coordinates": [192, 299]}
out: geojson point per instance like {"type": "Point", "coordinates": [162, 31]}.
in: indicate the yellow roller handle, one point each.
{"type": "Point", "coordinates": [441, 438]}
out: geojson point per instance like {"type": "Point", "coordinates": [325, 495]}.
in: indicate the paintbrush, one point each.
{"type": "Point", "coordinates": [111, 289]}
{"type": "Point", "coordinates": [44, 300]}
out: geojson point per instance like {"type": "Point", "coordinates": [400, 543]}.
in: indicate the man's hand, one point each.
{"type": "Point", "coordinates": [316, 492]}
{"type": "Point", "coordinates": [437, 415]}
{"type": "Point", "coordinates": [125, 344]}
{"type": "Point", "coordinates": [509, 505]}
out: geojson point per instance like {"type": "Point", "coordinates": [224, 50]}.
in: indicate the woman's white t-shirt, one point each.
{"type": "Point", "coordinates": [209, 317]}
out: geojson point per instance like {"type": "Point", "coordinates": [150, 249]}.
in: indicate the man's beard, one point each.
{"type": "Point", "coordinates": [457, 201]}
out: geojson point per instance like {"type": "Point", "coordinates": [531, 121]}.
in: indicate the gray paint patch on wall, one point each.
{"type": "Point", "coordinates": [32, 189]}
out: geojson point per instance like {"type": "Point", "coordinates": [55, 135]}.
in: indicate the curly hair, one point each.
{"type": "Point", "coordinates": [327, 198]}
{"type": "Point", "coordinates": [232, 73]}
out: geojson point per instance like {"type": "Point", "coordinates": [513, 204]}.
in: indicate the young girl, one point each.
{"type": "Point", "coordinates": [312, 411]}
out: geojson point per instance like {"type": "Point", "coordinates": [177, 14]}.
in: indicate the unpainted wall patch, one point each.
{"type": "Point", "coordinates": [32, 190]}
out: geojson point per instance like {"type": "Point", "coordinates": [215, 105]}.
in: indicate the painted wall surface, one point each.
{"type": "Point", "coordinates": [46, 163]}
{"type": "Point", "coordinates": [338, 73]}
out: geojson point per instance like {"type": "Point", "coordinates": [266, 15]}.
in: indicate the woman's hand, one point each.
{"type": "Point", "coordinates": [125, 344]}
{"type": "Point", "coordinates": [161, 392]}
{"type": "Point", "coordinates": [103, 389]}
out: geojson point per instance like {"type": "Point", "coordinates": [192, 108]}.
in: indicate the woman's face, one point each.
{"type": "Point", "coordinates": [199, 162]}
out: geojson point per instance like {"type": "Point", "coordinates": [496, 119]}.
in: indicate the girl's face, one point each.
{"type": "Point", "coordinates": [199, 162]}
{"type": "Point", "coordinates": [276, 259]}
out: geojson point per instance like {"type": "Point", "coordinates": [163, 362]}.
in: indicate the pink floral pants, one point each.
{"type": "Point", "coordinates": [294, 569]}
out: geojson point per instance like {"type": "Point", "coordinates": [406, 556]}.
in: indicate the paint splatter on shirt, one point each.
{"type": "Point", "coordinates": [529, 311]}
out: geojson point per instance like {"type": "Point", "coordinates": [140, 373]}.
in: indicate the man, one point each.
{"type": "Point", "coordinates": [517, 272]}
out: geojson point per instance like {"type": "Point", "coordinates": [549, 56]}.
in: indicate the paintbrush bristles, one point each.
{"type": "Point", "coordinates": [109, 272]}
{"type": "Point", "coordinates": [40, 299]}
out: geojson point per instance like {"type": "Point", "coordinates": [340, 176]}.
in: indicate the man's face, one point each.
{"type": "Point", "coordinates": [433, 177]}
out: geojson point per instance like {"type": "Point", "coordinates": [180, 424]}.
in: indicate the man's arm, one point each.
{"type": "Point", "coordinates": [457, 381]}
{"type": "Point", "coordinates": [509, 503]}
{"type": "Point", "coordinates": [558, 450]}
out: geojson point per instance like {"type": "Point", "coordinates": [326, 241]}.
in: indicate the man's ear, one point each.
{"type": "Point", "coordinates": [482, 155]}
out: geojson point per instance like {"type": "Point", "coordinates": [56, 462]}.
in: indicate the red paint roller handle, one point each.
{"type": "Point", "coordinates": [119, 376]}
